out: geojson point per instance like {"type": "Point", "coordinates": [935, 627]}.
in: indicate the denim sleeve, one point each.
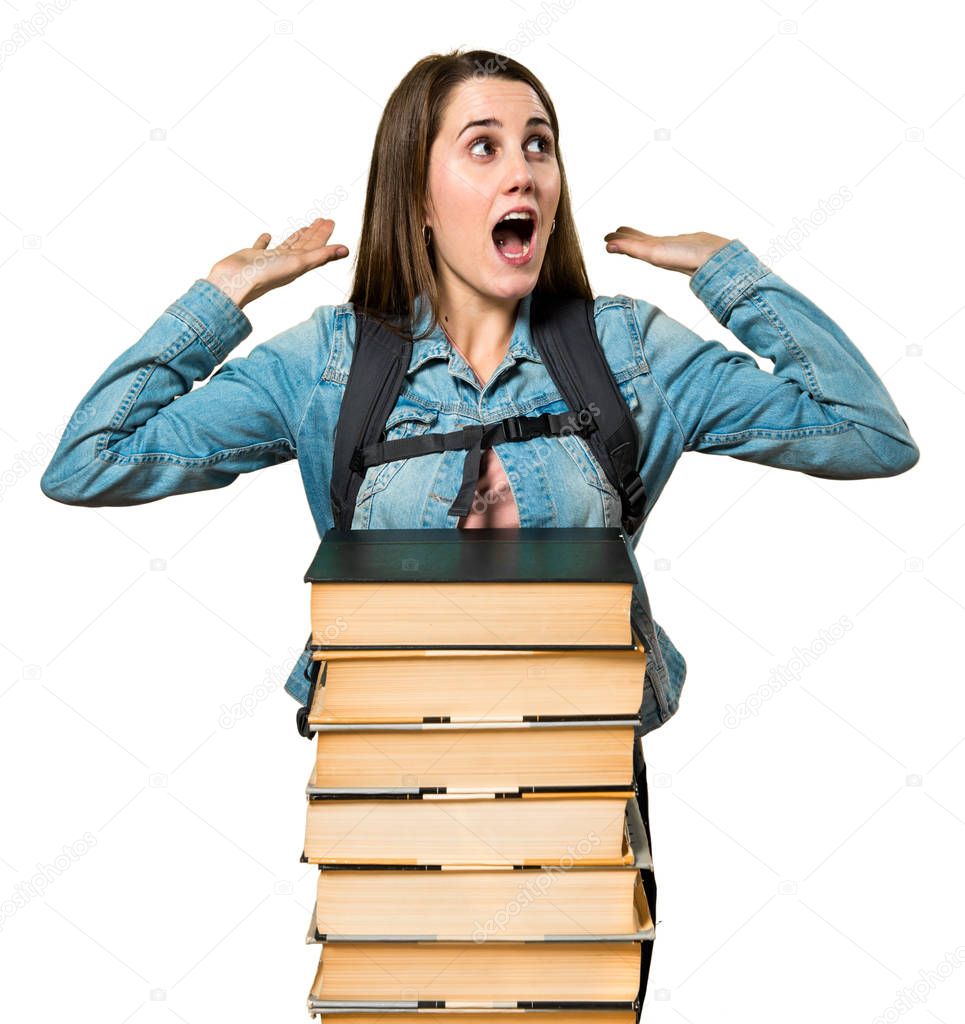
{"type": "Point", "coordinates": [822, 410]}
{"type": "Point", "coordinates": [143, 432]}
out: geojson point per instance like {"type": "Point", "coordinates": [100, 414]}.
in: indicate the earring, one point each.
{"type": "Point", "coordinates": [427, 238]}
{"type": "Point", "coordinates": [553, 226]}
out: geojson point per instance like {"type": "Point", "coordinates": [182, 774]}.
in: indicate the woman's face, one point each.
{"type": "Point", "coordinates": [480, 172]}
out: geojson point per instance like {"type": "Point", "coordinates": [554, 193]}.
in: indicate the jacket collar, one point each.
{"type": "Point", "coordinates": [436, 344]}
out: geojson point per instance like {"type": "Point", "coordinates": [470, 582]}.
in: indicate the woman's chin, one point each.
{"type": "Point", "coordinates": [512, 290]}
{"type": "Point", "coordinates": [514, 282]}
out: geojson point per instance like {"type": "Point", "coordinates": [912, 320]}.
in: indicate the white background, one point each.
{"type": "Point", "coordinates": [808, 853]}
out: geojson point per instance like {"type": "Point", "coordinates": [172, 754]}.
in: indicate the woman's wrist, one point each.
{"type": "Point", "coordinates": [232, 284]}
{"type": "Point", "coordinates": [713, 247]}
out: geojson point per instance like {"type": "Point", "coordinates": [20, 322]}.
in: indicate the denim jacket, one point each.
{"type": "Point", "coordinates": [142, 431]}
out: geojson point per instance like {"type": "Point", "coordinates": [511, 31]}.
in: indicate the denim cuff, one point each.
{"type": "Point", "coordinates": [218, 322]}
{"type": "Point", "coordinates": [297, 685]}
{"type": "Point", "coordinates": [723, 280]}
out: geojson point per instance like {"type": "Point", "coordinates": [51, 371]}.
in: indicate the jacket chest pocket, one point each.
{"type": "Point", "coordinates": [402, 422]}
{"type": "Point", "coordinates": [578, 448]}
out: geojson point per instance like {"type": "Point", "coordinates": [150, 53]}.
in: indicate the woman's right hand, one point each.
{"type": "Point", "coordinates": [249, 273]}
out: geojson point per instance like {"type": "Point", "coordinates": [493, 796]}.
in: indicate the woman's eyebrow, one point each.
{"type": "Point", "coordinates": [493, 122]}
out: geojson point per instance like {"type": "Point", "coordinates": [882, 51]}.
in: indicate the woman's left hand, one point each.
{"type": "Point", "coordinates": [686, 253]}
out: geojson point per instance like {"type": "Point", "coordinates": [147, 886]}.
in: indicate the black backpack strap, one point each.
{"type": "Point", "coordinates": [473, 438]}
{"type": "Point", "coordinates": [379, 364]}
{"type": "Point", "coordinates": [564, 331]}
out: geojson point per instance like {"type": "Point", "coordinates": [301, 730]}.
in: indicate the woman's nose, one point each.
{"type": "Point", "coordinates": [518, 173]}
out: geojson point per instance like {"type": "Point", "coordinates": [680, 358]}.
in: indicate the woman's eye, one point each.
{"type": "Point", "coordinates": [545, 140]}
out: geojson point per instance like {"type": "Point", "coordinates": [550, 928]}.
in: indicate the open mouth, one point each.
{"type": "Point", "coordinates": [513, 237]}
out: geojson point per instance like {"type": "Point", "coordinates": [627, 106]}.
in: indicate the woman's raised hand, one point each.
{"type": "Point", "coordinates": [249, 273]}
{"type": "Point", "coordinates": [685, 253]}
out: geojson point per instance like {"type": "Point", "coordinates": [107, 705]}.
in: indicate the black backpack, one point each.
{"type": "Point", "coordinates": [564, 332]}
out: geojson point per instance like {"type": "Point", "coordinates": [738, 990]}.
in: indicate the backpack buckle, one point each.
{"type": "Point", "coordinates": [633, 490]}
{"type": "Point", "coordinates": [512, 428]}
{"type": "Point", "coordinates": [587, 422]}
{"type": "Point", "coordinates": [525, 428]}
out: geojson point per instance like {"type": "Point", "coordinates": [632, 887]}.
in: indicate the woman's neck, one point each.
{"type": "Point", "coordinates": [480, 326]}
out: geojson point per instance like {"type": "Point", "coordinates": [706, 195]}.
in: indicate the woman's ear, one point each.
{"type": "Point", "coordinates": [427, 218]}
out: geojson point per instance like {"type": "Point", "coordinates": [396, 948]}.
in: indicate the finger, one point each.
{"type": "Point", "coordinates": [617, 240]}
{"type": "Point", "coordinates": [261, 242]}
{"type": "Point", "coordinates": [639, 247]}
{"type": "Point", "coordinates": [311, 235]}
{"type": "Point", "coordinates": [630, 232]}
{"type": "Point", "coordinates": [295, 236]}
{"type": "Point", "coordinates": [324, 254]}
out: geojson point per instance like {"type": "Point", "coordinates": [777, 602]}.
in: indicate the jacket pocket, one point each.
{"type": "Point", "coordinates": [402, 422]}
{"type": "Point", "coordinates": [578, 448]}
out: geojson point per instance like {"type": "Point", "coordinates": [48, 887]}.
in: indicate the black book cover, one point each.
{"type": "Point", "coordinates": [491, 555]}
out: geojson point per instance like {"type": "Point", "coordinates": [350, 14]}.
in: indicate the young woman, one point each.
{"type": "Point", "coordinates": [467, 212]}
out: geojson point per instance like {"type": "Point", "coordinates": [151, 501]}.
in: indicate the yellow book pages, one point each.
{"type": "Point", "coordinates": [407, 686]}
{"type": "Point", "coordinates": [479, 972]}
{"type": "Point", "coordinates": [461, 614]}
{"type": "Point", "coordinates": [489, 1016]}
{"type": "Point", "coordinates": [482, 758]}
{"type": "Point", "coordinates": [481, 906]}
{"type": "Point", "coordinates": [538, 829]}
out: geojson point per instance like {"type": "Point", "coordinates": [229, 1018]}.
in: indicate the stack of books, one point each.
{"type": "Point", "coordinates": [477, 805]}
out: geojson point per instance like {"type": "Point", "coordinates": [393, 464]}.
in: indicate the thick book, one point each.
{"type": "Point", "coordinates": [386, 975]}
{"type": "Point", "coordinates": [598, 904]}
{"type": "Point", "coordinates": [568, 829]}
{"type": "Point", "coordinates": [527, 588]}
{"type": "Point", "coordinates": [477, 685]}
{"type": "Point", "coordinates": [429, 1015]}
{"type": "Point", "coordinates": [481, 757]}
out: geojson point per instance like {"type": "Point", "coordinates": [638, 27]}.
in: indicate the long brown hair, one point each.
{"type": "Point", "coordinates": [394, 265]}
